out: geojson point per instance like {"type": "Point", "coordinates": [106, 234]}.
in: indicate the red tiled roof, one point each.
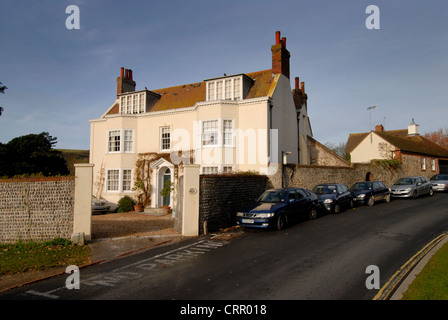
{"type": "Point", "coordinates": [188, 95]}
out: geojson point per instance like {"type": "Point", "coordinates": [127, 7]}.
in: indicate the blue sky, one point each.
{"type": "Point", "coordinates": [58, 79]}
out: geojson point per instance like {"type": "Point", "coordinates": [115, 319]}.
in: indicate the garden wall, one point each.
{"type": "Point", "coordinates": [221, 196]}
{"type": "Point", "coordinates": [307, 176]}
{"type": "Point", "coordinates": [36, 209]}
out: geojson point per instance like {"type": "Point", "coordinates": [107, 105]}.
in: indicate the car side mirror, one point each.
{"type": "Point", "coordinates": [292, 200]}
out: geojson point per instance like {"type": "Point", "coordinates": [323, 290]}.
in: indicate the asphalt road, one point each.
{"type": "Point", "coordinates": [321, 259]}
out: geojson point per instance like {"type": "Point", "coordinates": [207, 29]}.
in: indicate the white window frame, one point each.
{"type": "Point", "coordinates": [225, 89]}
{"type": "Point", "coordinates": [226, 167]}
{"type": "Point", "coordinates": [423, 163]}
{"type": "Point", "coordinates": [116, 181]}
{"type": "Point", "coordinates": [219, 134]}
{"type": "Point", "coordinates": [124, 146]}
{"type": "Point", "coordinates": [119, 186]}
{"type": "Point", "coordinates": [133, 103]}
{"type": "Point", "coordinates": [129, 172]}
{"type": "Point", "coordinates": [228, 132]}
{"type": "Point", "coordinates": [162, 138]}
{"type": "Point", "coordinates": [433, 164]}
{"type": "Point", "coordinates": [210, 170]}
{"type": "Point", "coordinates": [207, 136]}
{"type": "Point", "coordinates": [112, 145]}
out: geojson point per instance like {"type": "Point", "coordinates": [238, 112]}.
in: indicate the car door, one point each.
{"type": "Point", "coordinates": [303, 202]}
{"type": "Point", "coordinates": [425, 185]}
{"type": "Point", "coordinates": [344, 195]}
{"type": "Point", "coordinates": [340, 195]}
{"type": "Point", "coordinates": [292, 207]}
{"type": "Point", "coordinates": [377, 192]}
{"type": "Point", "coordinates": [420, 186]}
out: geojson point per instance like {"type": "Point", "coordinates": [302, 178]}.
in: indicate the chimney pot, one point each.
{"type": "Point", "coordinates": [126, 73]}
{"type": "Point", "coordinates": [130, 74]}
{"type": "Point", "coordinates": [284, 42]}
{"type": "Point", "coordinates": [122, 72]}
{"type": "Point", "coordinates": [277, 37]}
{"type": "Point", "coordinates": [302, 87]}
{"type": "Point", "coordinates": [297, 84]}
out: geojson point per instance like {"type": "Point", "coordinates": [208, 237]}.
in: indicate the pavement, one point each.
{"type": "Point", "coordinates": [118, 235]}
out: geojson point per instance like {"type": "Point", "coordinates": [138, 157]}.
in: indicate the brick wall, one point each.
{"type": "Point", "coordinates": [221, 196]}
{"type": "Point", "coordinates": [36, 209]}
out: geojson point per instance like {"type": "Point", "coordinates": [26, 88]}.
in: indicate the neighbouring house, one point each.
{"type": "Point", "coordinates": [231, 123]}
{"type": "Point", "coordinates": [418, 155]}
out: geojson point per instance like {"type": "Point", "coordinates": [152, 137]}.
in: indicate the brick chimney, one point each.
{"type": "Point", "coordinates": [379, 128]}
{"type": "Point", "coordinates": [280, 56]}
{"type": "Point", "coordinates": [298, 94]}
{"type": "Point", "coordinates": [125, 83]}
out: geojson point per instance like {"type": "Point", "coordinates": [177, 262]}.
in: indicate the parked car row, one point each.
{"type": "Point", "coordinates": [277, 207]}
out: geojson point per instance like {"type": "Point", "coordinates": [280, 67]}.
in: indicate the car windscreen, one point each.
{"type": "Point", "coordinates": [273, 196]}
{"type": "Point", "coordinates": [440, 177]}
{"type": "Point", "coordinates": [324, 189]}
{"type": "Point", "coordinates": [361, 186]}
{"type": "Point", "coordinates": [405, 181]}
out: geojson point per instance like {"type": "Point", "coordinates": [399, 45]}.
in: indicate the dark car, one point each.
{"type": "Point", "coordinates": [439, 182]}
{"type": "Point", "coordinates": [333, 197]}
{"type": "Point", "coordinates": [368, 192]}
{"type": "Point", "coordinates": [277, 207]}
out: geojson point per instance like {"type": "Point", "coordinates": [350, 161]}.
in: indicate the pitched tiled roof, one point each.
{"type": "Point", "coordinates": [415, 144]}
{"type": "Point", "coordinates": [399, 138]}
{"type": "Point", "coordinates": [188, 95]}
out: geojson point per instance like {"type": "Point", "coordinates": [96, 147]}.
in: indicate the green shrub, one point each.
{"type": "Point", "coordinates": [126, 204]}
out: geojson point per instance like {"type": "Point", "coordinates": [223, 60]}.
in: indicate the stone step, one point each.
{"type": "Point", "coordinates": [154, 211]}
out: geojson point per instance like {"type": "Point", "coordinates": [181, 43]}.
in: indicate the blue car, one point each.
{"type": "Point", "coordinates": [276, 208]}
{"type": "Point", "coordinates": [369, 192]}
{"type": "Point", "coordinates": [333, 197]}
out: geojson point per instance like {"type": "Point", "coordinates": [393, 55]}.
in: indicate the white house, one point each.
{"type": "Point", "coordinates": [239, 122]}
{"type": "Point", "coordinates": [418, 154]}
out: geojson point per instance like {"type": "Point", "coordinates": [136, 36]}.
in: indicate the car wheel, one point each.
{"type": "Point", "coordinates": [337, 208]}
{"type": "Point", "coordinates": [388, 198]}
{"type": "Point", "coordinates": [415, 194]}
{"type": "Point", "coordinates": [371, 201]}
{"type": "Point", "coordinates": [351, 204]}
{"type": "Point", "coordinates": [281, 222]}
{"type": "Point", "coordinates": [431, 192]}
{"type": "Point", "coordinates": [313, 214]}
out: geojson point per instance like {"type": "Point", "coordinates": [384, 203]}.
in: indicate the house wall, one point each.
{"type": "Point", "coordinates": [372, 147]}
{"type": "Point", "coordinates": [248, 152]}
{"type": "Point", "coordinates": [284, 118]}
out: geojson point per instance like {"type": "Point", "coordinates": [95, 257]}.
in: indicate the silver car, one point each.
{"type": "Point", "coordinates": [411, 187]}
{"type": "Point", "coordinates": [439, 182]}
{"type": "Point", "coordinates": [99, 206]}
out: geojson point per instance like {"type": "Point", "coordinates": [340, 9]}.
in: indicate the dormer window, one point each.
{"type": "Point", "coordinates": [133, 103]}
{"type": "Point", "coordinates": [137, 101]}
{"type": "Point", "coordinates": [228, 88]}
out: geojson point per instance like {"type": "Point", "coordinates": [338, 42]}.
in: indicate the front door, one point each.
{"type": "Point", "coordinates": [166, 177]}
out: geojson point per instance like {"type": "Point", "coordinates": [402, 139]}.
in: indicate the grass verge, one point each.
{"type": "Point", "coordinates": [22, 257]}
{"type": "Point", "coordinates": [432, 282]}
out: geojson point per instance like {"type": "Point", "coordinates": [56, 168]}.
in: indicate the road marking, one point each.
{"type": "Point", "coordinates": [396, 279]}
{"type": "Point", "coordinates": [123, 274]}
